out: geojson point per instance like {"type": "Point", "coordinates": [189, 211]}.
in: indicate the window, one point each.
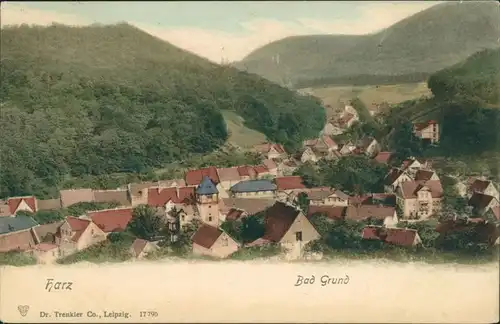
{"type": "Point", "coordinates": [224, 241]}
{"type": "Point", "coordinates": [298, 236]}
{"type": "Point", "coordinates": [210, 218]}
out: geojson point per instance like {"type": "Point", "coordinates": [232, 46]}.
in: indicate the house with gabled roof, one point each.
{"type": "Point", "coordinates": [394, 178]}
{"type": "Point", "coordinates": [111, 220]}
{"type": "Point", "coordinates": [412, 165]}
{"type": "Point", "coordinates": [271, 150]}
{"type": "Point", "coordinates": [214, 242]}
{"type": "Point", "coordinates": [17, 233]}
{"type": "Point", "coordinates": [332, 213]}
{"type": "Point", "coordinates": [485, 187]}
{"type": "Point", "coordinates": [404, 237]}
{"type": "Point", "coordinates": [369, 146]}
{"type": "Point", "coordinates": [308, 154]}
{"type": "Point", "coordinates": [228, 177]}
{"type": "Point", "coordinates": [482, 203]}
{"type": "Point", "coordinates": [385, 214]}
{"type": "Point", "coordinates": [288, 226]}
{"type": "Point", "coordinates": [286, 186]}
{"type": "Point", "coordinates": [332, 128]}
{"type": "Point", "coordinates": [194, 177]}
{"type": "Point", "coordinates": [287, 167]}
{"type": "Point", "coordinates": [326, 196]}
{"type": "Point", "coordinates": [76, 234]}
{"type": "Point", "coordinates": [141, 248]}
{"type": "Point", "coordinates": [26, 203]}
{"type": "Point", "coordinates": [324, 143]}
{"type": "Point", "coordinates": [419, 200]}
{"type": "Point", "coordinates": [427, 131]}
{"type": "Point", "coordinates": [249, 206]}
{"type": "Point", "coordinates": [347, 148]}
{"type": "Point", "coordinates": [383, 157]}
{"type": "Point", "coordinates": [271, 166]}
{"type": "Point", "coordinates": [425, 175]}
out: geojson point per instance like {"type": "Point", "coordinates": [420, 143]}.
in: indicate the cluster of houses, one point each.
{"type": "Point", "coordinates": [213, 195]}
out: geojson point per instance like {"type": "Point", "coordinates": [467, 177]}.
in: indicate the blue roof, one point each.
{"type": "Point", "coordinates": [206, 187]}
{"type": "Point", "coordinates": [253, 186]}
{"type": "Point", "coordinates": [17, 223]}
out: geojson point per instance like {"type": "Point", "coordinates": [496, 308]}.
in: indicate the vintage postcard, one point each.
{"type": "Point", "coordinates": [239, 162]}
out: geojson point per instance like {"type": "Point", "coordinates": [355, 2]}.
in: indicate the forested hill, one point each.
{"type": "Point", "coordinates": [102, 99]}
{"type": "Point", "coordinates": [476, 78]}
{"type": "Point", "coordinates": [466, 102]}
{"type": "Point", "coordinates": [421, 44]}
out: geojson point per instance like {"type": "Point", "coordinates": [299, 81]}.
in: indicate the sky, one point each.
{"type": "Point", "coordinates": [217, 30]}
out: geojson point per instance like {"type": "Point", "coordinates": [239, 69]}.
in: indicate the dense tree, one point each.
{"type": "Point", "coordinates": [145, 223]}
{"type": "Point", "coordinates": [92, 112]}
{"type": "Point", "coordinates": [355, 174]}
{"type": "Point", "coordinates": [403, 141]}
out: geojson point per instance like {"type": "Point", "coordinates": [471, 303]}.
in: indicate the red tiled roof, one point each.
{"type": "Point", "coordinates": [393, 175]}
{"type": "Point", "coordinates": [138, 246]}
{"type": "Point", "coordinates": [206, 236]}
{"type": "Point", "coordinates": [359, 200]}
{"type": "Point", "coordinates": [228, 174]}
{"type": "Point", "coordinates": [158, 197]}
{"type": "Point", "coordinates": [383, 157]}
{"type": "Point", "coordinates": [278, 219]}
{"type": "Point", "coordinates": [363, 212]}
{"type": "Point", "coordinates": [397, 236]}
{"type": "Point", "coordinates": [194, 177]}
{"type": "Point", "coordinates": [185, 194]}
{"type": "Point", "coordinates": [291, 182]}
{"type": "Point", "coordinates": [421, 126]}
{"type": "Point", "coordinates": [479, 185]}
{"type": "Point", "coordinates": [234, 214]}
{"type": "Point", "coordinates": [480, 200]}
{"type": "Point", "coordinates": [279, 148]}
{"type": "Point", "coordinates": [409, 189]}
{"type": "Point", "coordinates": [332, 212]}
{"type": "Point", "coordinates": [423, 175]}
{"type": "Point", "coordinates": [483, 232]}
{"type": "Point", "coordinates": [328, 141]}
{"type": "Point", "coordinates": [401, 236]}
{"type": "Point", "coordinates": [258, 242]}
{"type": "Point", "coordinates": [270, 164]}
{"type": "Point", "coordinates": [246, 171]}
{"type": "Point", "coordinates": [14, 203]}
{"type": "Point", "coordinates": [259, 169]}
{"type": "Point", "coordinates": [78, 225]}
{"type": "Point", "coordinates": [112, 220]}
{"type": "Point", "coordinates": [266, 147]}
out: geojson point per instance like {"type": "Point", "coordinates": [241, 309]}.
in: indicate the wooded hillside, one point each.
{"type": "Point", "coordinates": [103, 99]}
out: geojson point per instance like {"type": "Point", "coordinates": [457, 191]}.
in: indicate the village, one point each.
{"type": "Point", "coordinates": [211, 196]}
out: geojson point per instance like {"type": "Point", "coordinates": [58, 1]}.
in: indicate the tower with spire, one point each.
{"type": "Point", "coordinates": [207, 198]}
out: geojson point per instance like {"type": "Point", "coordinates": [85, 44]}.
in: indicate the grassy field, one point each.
{"type": "Point", "coordinates": [238, 133]}
{"type": "Point", "coordinates": [337, 96]}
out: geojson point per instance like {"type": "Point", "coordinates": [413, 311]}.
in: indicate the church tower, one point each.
{"type": "Point", "coordinates": [207, 198]}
